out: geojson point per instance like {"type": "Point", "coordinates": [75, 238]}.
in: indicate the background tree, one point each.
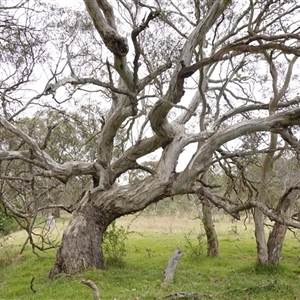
{"type": "Point", "coordinates": [167, 76]}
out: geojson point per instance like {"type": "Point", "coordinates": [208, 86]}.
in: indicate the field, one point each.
{"type": "Point", "coordinates": [233, 275]}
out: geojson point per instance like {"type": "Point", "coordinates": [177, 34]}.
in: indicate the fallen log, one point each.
{"type": "Point", "coordinates": [187, 295]}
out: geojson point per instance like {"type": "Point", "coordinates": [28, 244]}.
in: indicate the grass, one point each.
{"type": "Point", "coordinates": [234, 275]}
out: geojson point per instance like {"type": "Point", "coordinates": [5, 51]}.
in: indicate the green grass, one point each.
{"type": "Point", "coordinates": [234, 275]}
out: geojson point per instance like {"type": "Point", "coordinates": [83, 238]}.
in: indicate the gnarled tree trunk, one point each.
{"type": "Point", "coordinates": [81, 246]}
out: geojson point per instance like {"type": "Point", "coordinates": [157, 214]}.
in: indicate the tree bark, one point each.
{"type": "Point", "coordinates": [277, 235]}
{"type": "Point", "coordinates": [81, 246]}
{"type": "Point", "coordinates": [275, 243]}
{"type": "Point", "coordinates": [261, 244]}
{"type": "Point", "coordinates": [170, 269]}
{"type": "Point", "coordinates": [209, 227]}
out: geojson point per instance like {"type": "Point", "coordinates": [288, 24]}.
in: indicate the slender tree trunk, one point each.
{"type": "Point", "coordinates": [209, 227]}
{"type": "Point", "coordinates": [261, 243]}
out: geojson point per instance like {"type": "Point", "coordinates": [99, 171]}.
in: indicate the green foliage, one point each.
{"type": "Point", "coordinates": [7, 223]}
{"type": "Point", "coordinates": [114, 243]}
{"type": "Point", "coordinates": [195, 245]}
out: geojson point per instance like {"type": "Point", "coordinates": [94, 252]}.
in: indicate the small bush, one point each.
{"type": "Point", "coordinates": [114, 242]}
{"type": "Point", "coordinates": [7, 223]}
{"type": "Point", "coordinates": [194, 248]}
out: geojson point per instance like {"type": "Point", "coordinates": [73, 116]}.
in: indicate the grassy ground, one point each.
{"type": "Point", "coordinates": [233, 275]}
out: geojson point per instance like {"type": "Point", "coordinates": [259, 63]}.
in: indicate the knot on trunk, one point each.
{"type": "Point", "coordinates": [116, 44]}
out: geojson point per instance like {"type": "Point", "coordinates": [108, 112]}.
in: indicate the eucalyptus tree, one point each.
{"type": "Point", "coordinates": [170, 75]}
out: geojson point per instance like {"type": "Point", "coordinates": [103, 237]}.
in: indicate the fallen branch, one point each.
{"type": "Point", "coordinates": [93, 286]}
{"type": "Point", "coordinates": [171, 266]}
{"type": "Point", "coordinates": [185, 295]}
{"type": "Point", "coordinates": [260, 286]}
{"type": "Point", "coordinates": [31, 285]}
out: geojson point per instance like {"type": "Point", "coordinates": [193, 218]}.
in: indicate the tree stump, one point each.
{"type": "Point", "coordinates": [169, 271]}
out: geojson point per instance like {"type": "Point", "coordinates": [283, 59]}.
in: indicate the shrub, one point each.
{"type": "Point", "coordinates": [194, 247]}
{"type": "Point", "coordinates": [114, 242]}
{"type": "Point", "coordinates": [7, 223]}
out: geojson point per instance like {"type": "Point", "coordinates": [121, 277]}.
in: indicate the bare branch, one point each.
{"type": "Point", "coordinates": [146, 80]}
{"type": "Point", "coordinates": [247, 108]}
{"type": "Point", "coordinates": [137, 48]}
{"type": "Point", "coordinates": [234, 210]}
{"type": "Point", "coordinates": [47, 137]}
{"type": "Point", "coordinates": [286, 134]}
{"type": "Point", "coordinates": [76, 81]}
{"type": "Point", "coordinates": [240, 47]}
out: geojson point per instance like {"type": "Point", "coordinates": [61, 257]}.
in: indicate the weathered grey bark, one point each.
{"type": "Point", "coordinates": [170, 269]}
{"type": "Point", "coordinates": [81, 242]}
{"type": "Point", "coordinates": [261, 243]}
{"type": "Point", "coordinates": [262, 247]}
{"type": "Point", "coordinates": [275, 243]}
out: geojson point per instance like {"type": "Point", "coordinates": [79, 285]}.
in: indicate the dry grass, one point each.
{"type": "Point", "coordinates": [162, 225]}
{"type": "Point", "coordinates": [169, 225]}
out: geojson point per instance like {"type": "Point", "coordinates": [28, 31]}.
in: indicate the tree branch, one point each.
{"type": "Point", "coordinates": [146, 80]}
{"type": "Point", "coordinates": [74, 80]}
{"type": "Point", "coordinates": [137, 48]}
{"type": "Point", "coordinates": [252, 107]}
{"type": "Point", "coordinates": [106, 26]}
{"type": "Point", "coordinates": [201, 158]}
{"type": "Point", "coordinates": [234, 209]}
{"type": "Point", "coordinates": [240, 47]}
{"type": "Point", "coordinates": [175, 91]}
